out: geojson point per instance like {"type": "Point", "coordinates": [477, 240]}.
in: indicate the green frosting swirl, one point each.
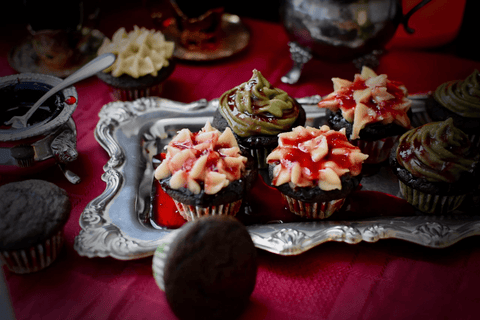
{"type": "Point", "coordinates": [255, 107]}
{"type": "Point", "coordinates": [461, 96]}
{"type": "Point", "coordinates": [436, 151]}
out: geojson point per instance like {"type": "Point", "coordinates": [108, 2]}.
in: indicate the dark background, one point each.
{"type": "Point", "coordinates": [13, 13]}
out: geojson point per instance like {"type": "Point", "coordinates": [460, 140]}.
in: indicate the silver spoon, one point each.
{"type": "Point", "coordinates": [96, 65]}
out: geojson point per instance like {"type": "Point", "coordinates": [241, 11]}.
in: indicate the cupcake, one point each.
{"type": "Point", "coordinates": [373, 109]}
{"type": "Point", "coordinates": [459, 100]}
{"type": "Point", "coordinates": [144, 61]}
{"type": "Point", "coordinates": [207, 268]}
{"type": "Point", "coordinates": [205, 173]}
{"type": "Point", "coordinates": [315, 170]}
{"type": "Point", "coordinates": [435, 167]}
{"type": "Point", "coordinates": [34, 213]}
{"type": "Point", "coordinates": [257, 112]}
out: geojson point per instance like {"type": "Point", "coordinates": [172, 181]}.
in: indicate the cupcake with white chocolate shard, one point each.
{"type": "Point", "coordinates": [373, 109]}
{"type": "Point", "coordinates": [315, 170]}
{"type": "Point", "coordinates": [205, 173]}
{"type": "Point", "coordinates": [143, 61]}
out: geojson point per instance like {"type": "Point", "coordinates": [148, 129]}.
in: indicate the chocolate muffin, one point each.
{"type": "Point", "coordinates": [459, 100]}
{"type": "Point", "coordinates": [435, 166]}
{"type": "Point", "coordinates": [208, 270]}
{"type": "Point", "coordinates": [205, 173]}
{"type": "Point", "coordinates": [315, 170]}
{"type": "Point", "coordinates": [34, 213]}
{"type": "Point", "coordinates": [257, 112]}
{"type": "Point", "coordinates": [374, 111]}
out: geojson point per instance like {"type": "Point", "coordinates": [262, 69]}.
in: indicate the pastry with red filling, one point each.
{"type": "Point", "coordinates": [257, 112]}
{"type": "Point", "coordinates": [205, 173]}
{"type": "Point", "coordinates": [435, 167]}
{"type": "Point", "coordinates": [373, 109]}
{"type": "Point", "coordinates": [315, 170]}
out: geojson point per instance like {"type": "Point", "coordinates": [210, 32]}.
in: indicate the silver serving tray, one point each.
{"type": "Point", "coordinates": [117, 224]}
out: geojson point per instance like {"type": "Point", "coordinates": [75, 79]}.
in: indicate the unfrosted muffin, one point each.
{"type": "Point", "coordinates": [33, 214]}
{"type": "Point", "coordinates": [459, 100]}
{"type": "Point", "coordinates": [207, 268]}
{"type": "Point", "coordinates": [257, 112]}
{"type": "Point", "coordinates": [144, 61]}
{"type": "Point", "coordinates": [315, 170]}
{"type": "Point", "coordinates": [373, 109]}
{"type": "Point", "coordinates": [435, 167]}
{"type": "Point", "coordinates": [205, 173]}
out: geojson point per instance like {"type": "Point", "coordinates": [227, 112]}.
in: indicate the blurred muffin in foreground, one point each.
{"type": "Point", "coordinates": [207, 268]}
{"type": "Point", "coordinates": [315, 170]}
{"type": "Point", "coordinates": [144, 61]}
{"type": "Point", "coordinates": [435, 166]}
{"type": "Point", "coordinates": [33, 214]}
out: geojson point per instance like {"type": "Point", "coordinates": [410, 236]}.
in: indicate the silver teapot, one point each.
{"type": "Point", "coordinates": [340, 30]}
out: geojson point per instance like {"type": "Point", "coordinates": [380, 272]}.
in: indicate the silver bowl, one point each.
{"type": "Point", "coordinates": [50, 136]}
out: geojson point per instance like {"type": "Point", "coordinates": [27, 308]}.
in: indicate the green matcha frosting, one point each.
{"type": "Point", "coordinates": [436, 151]}
{"type": "Point", "coordinates": [461, 96]}
{"type": "Point", "coordinates": [256, 108]}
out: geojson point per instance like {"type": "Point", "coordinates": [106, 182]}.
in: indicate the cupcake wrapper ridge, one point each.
{"type": "Point", "coordinates": [430, 203]}
{"type": "Point", "coordinates": [133, 94]}
{"type": "Point", "coordinates": [316, 210]}
{"type": "Point", "coordinates": [378, 150]}
{"type": "Point", "coordinates": [260, 156]}
{"type": "Point", "coordinates": [191, 213]}
{"type": "Point", "coordinates": [35, 258]}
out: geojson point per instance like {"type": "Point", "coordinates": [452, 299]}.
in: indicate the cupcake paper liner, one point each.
{"type": "Point", "coordinates": [316, 210]}
{"type": "Point", "coordinates": [430, 203]}
{"type": "Point", "coordinates": [191, 213]}
{"type": "Point", "coordinates": [34, 258]}
{"type": "Point", "coordinates": [260, 156]}
{"type": "Point", "coordinates": [133, 94]}
{"type": "Point", "coordinates": [378, 150]}
{"type": "Point", "coordinates": [160, 256]}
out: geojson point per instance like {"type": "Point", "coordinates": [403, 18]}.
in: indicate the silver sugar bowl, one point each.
{"type": "Point", "coordinates": [341, 30]}
{"type": "Point", "coordinates": [50, 136]}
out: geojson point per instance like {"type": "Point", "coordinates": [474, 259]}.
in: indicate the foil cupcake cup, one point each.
{"type": "Point", "coordinates": [191, 213]}
{"type": "Point", "coordinates": [315, 210]}
{"type": "Point", "coordinates": [430, 203]}
{"type": "Point", "coordinates": [378, 151]}
{"type": "Point", "coordinates": [133, 94]}
{"type": "Point", "coordinates": [35, 258]}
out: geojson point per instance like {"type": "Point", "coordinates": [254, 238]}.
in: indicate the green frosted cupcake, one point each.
{"type": "Point", "coordinates": [257, 112]}
{"type": "Point", "coordinates": [435, 167]}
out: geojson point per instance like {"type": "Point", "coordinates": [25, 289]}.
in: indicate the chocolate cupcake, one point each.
{"type": "Point", "coordinates": [144, 61]}
{"type": "Point", "coordinates": [34, 213]}
{"type": "Point", "coordinates": [459, 100]}
{"type": "Point", "coordinates": [207, 268]}
{"type": "Point", "coordinates": [205, 173]}
{"type": "Point", "coordinates": [257, 112]}
{"type": "Point", "coordinates": [315, 170]}
{"type": "Point", "coordinates": [435, 167]}
{"type": "Point", "coordinates": [374, 111]}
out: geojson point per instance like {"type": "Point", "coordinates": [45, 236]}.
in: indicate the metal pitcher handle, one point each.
{"type": "Point", "coordinates": [410, 13]}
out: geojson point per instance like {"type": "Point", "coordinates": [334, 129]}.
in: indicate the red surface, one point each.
{"type": "Point", "coordinates": [390, 279]}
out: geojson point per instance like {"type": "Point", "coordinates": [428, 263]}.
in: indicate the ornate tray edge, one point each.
{"type": "Point", "coordinates": [99, 237]}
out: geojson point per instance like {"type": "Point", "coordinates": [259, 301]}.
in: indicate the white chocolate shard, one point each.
{"type": "Point", "coordinates": [378, 81]}
{"type": "Point", "coordinates": [381, 94]}
{"type": "Point", "coordinates": [178, 180]}
{"type": "Point", "coordinates": [330, 180]}
{"type": "Point", "coordinates": [162, 171]}
{"type": "Point", "coordinates": [362, 96]}
{"type": "Point", "coordinates": [367, 73]}
{"type": "Point", "coordinates": [214, 182]}
{"type": "Point", "coordinates": [339, 83]}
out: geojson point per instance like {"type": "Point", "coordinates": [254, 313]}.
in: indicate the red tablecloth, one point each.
{"type": "Point", "coordinates": [390, 279]}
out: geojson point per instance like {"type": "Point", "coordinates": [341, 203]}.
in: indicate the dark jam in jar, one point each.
{"type": "Point", "coordinates": [17, 100]}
